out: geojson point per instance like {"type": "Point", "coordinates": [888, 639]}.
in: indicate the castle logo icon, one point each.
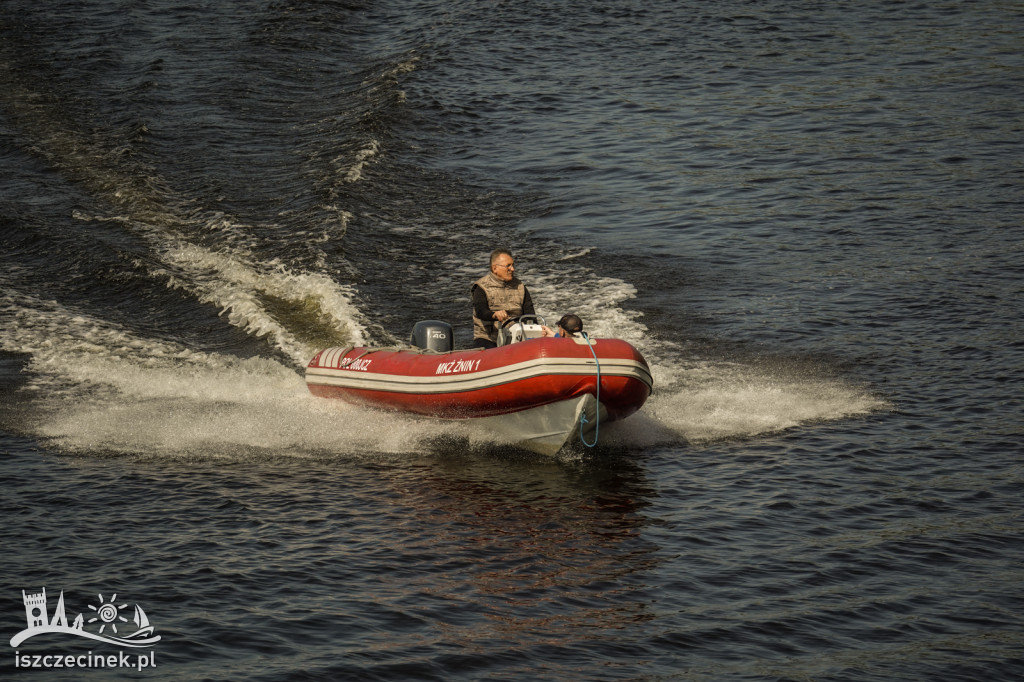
{"type": "Point", "coordinates": [106, 618]}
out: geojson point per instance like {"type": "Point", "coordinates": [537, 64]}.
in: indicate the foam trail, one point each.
{"type": "Point", "coordinates": [728, 401]}
{"type": "Point", "coordinates": [277, 418]}
{"type": "Point", "coordinates": [297, 312]}
{"type": "Point", "coordinates": [363, 156]}
{"type": "Point", "coordinates": [97, 388]}
{"type": "Point", "coordinates": [701, 400]}
{"type": "Point", "coordinates": [242, 291]}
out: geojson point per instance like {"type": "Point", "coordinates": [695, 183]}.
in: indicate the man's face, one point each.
{"type": "Point", "coordinates": [504, 267]}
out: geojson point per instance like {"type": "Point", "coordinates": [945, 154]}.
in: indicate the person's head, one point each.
{"type": "Point", "coordinates": [503, 265]}
{"type": "Point", "coordinates": [570, 324]}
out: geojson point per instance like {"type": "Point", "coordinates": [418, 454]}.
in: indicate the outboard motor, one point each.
{"type": "Point", "coordinates": [433, 335]}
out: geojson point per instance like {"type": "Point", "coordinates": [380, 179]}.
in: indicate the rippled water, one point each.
{"type": "Point", "coordinates": [806, 217]}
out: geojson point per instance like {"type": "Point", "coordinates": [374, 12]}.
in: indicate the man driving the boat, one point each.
{"type": "Point", "coordinates": [498, 296]}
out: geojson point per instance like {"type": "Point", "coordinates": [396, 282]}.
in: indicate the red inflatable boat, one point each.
{"type": "Point", "coordinates": [534, 392]}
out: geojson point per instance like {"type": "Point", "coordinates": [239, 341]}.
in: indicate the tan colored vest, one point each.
{"type": "Point", "coordinates": [501, 295]}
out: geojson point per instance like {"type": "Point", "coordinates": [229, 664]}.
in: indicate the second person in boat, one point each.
{"type": "Point", "coordinates": [567, 327]}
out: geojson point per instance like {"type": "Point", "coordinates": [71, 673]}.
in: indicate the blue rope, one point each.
{"type": "Point", "coordinates": [583, 416]}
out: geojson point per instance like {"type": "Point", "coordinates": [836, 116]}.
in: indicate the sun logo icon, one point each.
{"type": "Point", "coordinates": [109, 613]}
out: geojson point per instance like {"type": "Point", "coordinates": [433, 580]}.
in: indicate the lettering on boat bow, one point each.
{"type": "Point", "coordinates": [456, 366]}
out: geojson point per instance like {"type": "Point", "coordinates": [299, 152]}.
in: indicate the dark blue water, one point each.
{"type": "Point", "coordinates": [806, 215]}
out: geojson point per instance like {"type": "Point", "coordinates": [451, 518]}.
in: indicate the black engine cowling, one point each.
{"type": "Point", "coordinates": [433, 335]}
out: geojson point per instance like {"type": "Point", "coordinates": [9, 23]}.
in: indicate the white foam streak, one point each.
{"type": "Point", "coordinates": [729, 404]}
{"type": "Point", "coordinates": [363, 156]}
{"type": "Point", "coordinates": [261, 415]}
{"type": "Point", "coordinates": [96, 387]}
{"type": "Point", "coordinates": [228, 281]}
{"type": "Point", "coordinates": [53, 334]}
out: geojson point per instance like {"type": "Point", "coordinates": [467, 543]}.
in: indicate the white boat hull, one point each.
{"type": "Point", "coordinates": [545, 429]}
